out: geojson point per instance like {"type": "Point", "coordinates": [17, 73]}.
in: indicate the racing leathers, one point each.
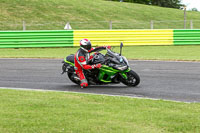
{"type": "Point", "coordinates": [81, 60]}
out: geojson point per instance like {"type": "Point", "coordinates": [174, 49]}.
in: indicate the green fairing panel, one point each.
{"type": "Point", "coordinates": [110, 72]}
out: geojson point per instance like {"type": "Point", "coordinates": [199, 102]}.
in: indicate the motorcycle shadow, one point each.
{"type": "Point", "coordinates": [102, 87]}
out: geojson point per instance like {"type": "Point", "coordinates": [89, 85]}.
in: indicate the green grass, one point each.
{"type": "Point", "coordinates": [187, 53]}
{"type": "Point", "coordinates": [54, 14]}
{"type": "Point", "coordinates": [45, 112]}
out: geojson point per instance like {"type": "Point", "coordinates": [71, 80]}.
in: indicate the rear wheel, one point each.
{"type": "Point", "coordinates": [133, 79]}
{"type": "Point", "coordinates": [73, 77]}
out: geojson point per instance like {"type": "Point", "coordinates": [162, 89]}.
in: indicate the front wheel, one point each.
{"type": "Point", "coordinates": [132, 79]}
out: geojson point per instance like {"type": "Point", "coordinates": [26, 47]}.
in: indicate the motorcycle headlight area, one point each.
{"type": "Point", "coordinates": [121, 67]}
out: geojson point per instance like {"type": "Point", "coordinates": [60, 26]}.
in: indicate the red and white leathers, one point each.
{"type": "Point", "coordinates": [81, 60]}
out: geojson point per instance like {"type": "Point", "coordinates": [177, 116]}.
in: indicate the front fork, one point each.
{"type": "Point", "coordinates": [123, 74]}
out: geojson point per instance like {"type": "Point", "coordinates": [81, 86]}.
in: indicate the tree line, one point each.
{"type": "Point", "coordinates": [162, 3]}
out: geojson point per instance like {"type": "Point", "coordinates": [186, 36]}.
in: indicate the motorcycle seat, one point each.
{"type": "Point", "coordinates": [70, 58]}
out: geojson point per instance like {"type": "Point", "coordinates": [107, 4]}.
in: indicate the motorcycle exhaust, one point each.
{"type": "Point", "coordinates": [76, 78]}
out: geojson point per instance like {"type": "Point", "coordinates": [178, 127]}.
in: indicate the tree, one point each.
{"type": "Point", "coordinates": [163, 3]}
{"type": "Point", "coordinates": [194, 9]}
{"type": "Point", "coordinates": [167, 3]}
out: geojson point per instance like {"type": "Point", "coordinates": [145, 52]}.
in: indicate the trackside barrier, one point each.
{"type": "Point", "coordinates": [65, 38]}
{"type": "Point", "coordinates": [186, 37]}
{"type": "Point", "coordinates": [128, 37]}
{"type": "Point", "coordinates": [20, 39]}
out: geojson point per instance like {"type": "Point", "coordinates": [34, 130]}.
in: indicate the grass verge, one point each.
{"type": "Point", "coordinates": [54, 14]}
{"type": "Point", "coordinates": [187, 53]}
{"type": "Point", "coordinates": [43, 111]}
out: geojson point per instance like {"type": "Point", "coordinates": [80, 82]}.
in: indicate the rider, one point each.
{"type": "Point", "coordinates": [82, 58]}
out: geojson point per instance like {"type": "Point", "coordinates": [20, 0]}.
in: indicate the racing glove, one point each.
{"type": "Point", "coordinates": [98, 65]}
{"type": "Point", "coordinates": [109, 47]}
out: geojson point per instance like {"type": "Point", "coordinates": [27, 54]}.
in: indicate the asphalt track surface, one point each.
{"type": "Point", "coordinates": [167, 80]}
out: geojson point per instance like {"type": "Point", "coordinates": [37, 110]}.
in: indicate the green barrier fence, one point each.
{"type": "Point", "coordinates": [19, 39]}
{"type": "Point", "coordinates": [64, 38]}
{"type": "Point", "coordinates": [186, 37]}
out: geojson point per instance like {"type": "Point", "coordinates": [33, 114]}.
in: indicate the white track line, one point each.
{"type": "Point", "coordinates": [29, 89]}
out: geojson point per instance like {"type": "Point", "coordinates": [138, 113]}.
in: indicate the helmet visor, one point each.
{"type": "Point", "coordinates": [88, 46]}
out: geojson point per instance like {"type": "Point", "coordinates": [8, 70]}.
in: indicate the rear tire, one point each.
{"type": "Point", "coordinates": [70, 75]}
{"type": "Point", "coordinates": [133, 79]}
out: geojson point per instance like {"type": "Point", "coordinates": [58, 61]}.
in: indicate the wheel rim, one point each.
{"type": "Point", "coordinates": [131, 80]}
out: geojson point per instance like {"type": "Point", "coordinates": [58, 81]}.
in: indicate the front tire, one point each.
{"type": "Point", "coordinates": [133, 79]}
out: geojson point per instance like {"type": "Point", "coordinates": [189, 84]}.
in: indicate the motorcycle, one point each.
{"type": "Point", "coordinates": [115, 69]}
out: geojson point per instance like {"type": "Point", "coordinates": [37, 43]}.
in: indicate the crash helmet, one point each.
{"type": "Point", "coordinates": [85, 44]}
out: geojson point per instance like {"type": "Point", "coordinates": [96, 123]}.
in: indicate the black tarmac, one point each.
{"type": "Point", "coordinates": [179, 81]}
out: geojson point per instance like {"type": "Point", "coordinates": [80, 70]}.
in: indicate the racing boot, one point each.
{"type": "Point", "coordinates": [84, 85]}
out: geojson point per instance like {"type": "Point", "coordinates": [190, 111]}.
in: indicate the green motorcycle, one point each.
{"type": "Point", "coordinates": [115, 69]}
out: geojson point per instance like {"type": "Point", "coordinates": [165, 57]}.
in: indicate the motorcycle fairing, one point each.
{"type": "Point", "coordinates": [106, 73]}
